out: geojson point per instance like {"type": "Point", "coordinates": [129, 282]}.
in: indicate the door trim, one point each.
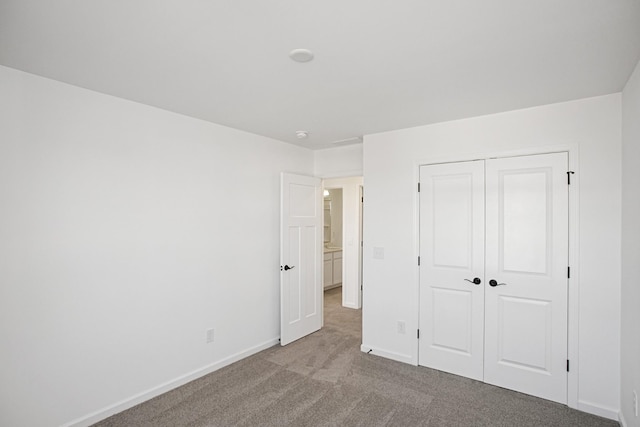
{"type": "Point", "coordinates": [574, 259]}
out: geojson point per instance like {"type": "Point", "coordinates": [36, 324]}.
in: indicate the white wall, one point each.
{"type": "Point", "coordinates": [118, 249]}
{"type": "Point", "coordinates": [630, 349]}
{"type": "Point", "coordinates": [350, 247]}
{"type": "Point", "coordinates": [390, 175]}
{"type": "Point", "coordinates": [339, 161]}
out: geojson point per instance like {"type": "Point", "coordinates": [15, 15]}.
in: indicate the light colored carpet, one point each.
{"type": "Point", "coordinates": [325, 380]}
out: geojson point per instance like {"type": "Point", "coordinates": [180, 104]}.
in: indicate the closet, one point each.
{"type": "Point", "coordinates": [494, 271]}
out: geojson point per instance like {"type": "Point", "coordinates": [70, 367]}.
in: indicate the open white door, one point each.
{"type": "Point", "coordinates": [300, 257]}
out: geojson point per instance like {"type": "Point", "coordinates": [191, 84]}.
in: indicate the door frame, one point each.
{"type": "Point", "coordinates": [574, 262]}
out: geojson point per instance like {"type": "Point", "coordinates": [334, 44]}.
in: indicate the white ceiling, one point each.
{"type": "Point", "coordinates": [379, 65]}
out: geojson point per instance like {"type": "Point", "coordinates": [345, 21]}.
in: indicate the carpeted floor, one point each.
{"type": "Point", "coordinates": [325, 380]}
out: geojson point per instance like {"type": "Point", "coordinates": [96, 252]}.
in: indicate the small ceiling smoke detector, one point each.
{"type": "Point", "coordinates": [301, 55]}
{"type": "Point", "coordinates": [302, 134]}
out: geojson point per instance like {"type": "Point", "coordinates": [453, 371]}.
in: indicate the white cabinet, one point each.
{"type": "Point", "coordinates": [332, 269]}
{"type": "Point", "coordinates": [337, 268]}
{"type": "Point", "coordinates": [328, 270]}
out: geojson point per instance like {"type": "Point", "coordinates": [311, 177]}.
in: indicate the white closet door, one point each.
{"type": "Point", "coordinates": [527, 256]}
{"type": "Point", "coordinates": [451, 248]}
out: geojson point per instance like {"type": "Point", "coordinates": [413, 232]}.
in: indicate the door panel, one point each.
{"type": "Point", "coordinates": [529, 318]}
{"type": "Point", "coordinates": [452, 245]}
{"type": "Point", "coordinates": [452, 220]}
{"type": "Point", "coordinates": [292, 280]}
{"type": "Point", "coordinates": [300, 248]}
{"type": "Point", "coordinates": [452, 309]}
{"type": "Point", "coordinates": [524, 220]}
{"type": "Point", "coordinates": [527, 255]}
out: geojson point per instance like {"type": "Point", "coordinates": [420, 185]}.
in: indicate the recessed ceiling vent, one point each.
{"type": "Point", "coordinates": [354, 140]}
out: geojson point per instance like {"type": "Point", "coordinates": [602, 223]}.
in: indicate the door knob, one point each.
{"type": "Point", "coordinates": [475, 281]}
{"type": "Point", "coordinates": [493, 283]}
{"type": "Point", "coordinates": [287, 268]}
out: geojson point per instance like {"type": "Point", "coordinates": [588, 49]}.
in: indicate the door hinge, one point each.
{"type": "Point", "coordinates": [418, 260]}
{"type": "Point", "coordinates": [568, 272]}
{"type": "Point", "coordinates": [418, 187]}
{"type": "Point", "coordinates": [418, 334]}
{"type": "Point", "coordinates": [567, 365]}
{"type": "Point", "coordinates": [569, 173]}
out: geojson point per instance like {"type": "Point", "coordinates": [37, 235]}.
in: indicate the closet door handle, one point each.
{"type": "Point", "coordinates": [475, 281]}
{"type": "Point", "coordinates": [493, 283]}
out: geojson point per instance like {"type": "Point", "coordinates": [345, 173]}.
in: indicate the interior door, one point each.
{"type": "Point", "coordinates": [503, 222]}
{"type": "Point", "coordinates": [527, 257]}
{"type": "Point", "coordinates": [300, 257]}
{"type": "Point", "coordinates": [452, 268]}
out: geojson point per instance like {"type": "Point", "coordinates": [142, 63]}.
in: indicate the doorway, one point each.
{"type": "Point", "coordinates": [333, 238]}
{"type": "Point", "coordinates": [342, 261]}
{"type": "Point", "coordinates": [301, 252]}
{"type": "Point", "coordinates": [493, 276]}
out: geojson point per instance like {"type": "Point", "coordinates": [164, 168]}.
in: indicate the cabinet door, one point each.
{"type": "Point", "coordinates": [328, 270]}
{"type": "Point", "coordinates": [337, 268]}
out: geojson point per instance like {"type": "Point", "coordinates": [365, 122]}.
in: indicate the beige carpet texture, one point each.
{"type": "Point", "coordinates": [325, 380]}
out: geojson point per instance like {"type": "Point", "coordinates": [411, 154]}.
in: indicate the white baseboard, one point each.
{"type": "Point", "coordinates": [601, 411]}
{"type": "Point", "coordinates": [622, 421]}
{"type": "Point", "coordinates": [387, 354]}
{"type": "Point", "coordinates": [132, 401]}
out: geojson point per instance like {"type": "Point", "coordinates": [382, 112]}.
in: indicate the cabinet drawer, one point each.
{"type": "Point", "coordinates": [337, 255]}
{"type": "Point", "coordinates": [327, 256]}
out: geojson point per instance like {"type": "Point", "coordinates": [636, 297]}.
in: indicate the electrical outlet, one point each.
{"type": "Point", "coordinates": [210, 335]}
{"type": "Point", "coordinates": [402, 327]}
{"type": "Point", "coordinates": [635, 402]}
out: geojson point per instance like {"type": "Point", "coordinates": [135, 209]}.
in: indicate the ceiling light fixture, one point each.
{"type": "Point", "coordinates": [301, 55]}
{"type": "Point", "coordinates": [302, 134]}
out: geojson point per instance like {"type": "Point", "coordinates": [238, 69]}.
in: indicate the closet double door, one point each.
{"type": "Point", "coordinates": [493, 271]}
